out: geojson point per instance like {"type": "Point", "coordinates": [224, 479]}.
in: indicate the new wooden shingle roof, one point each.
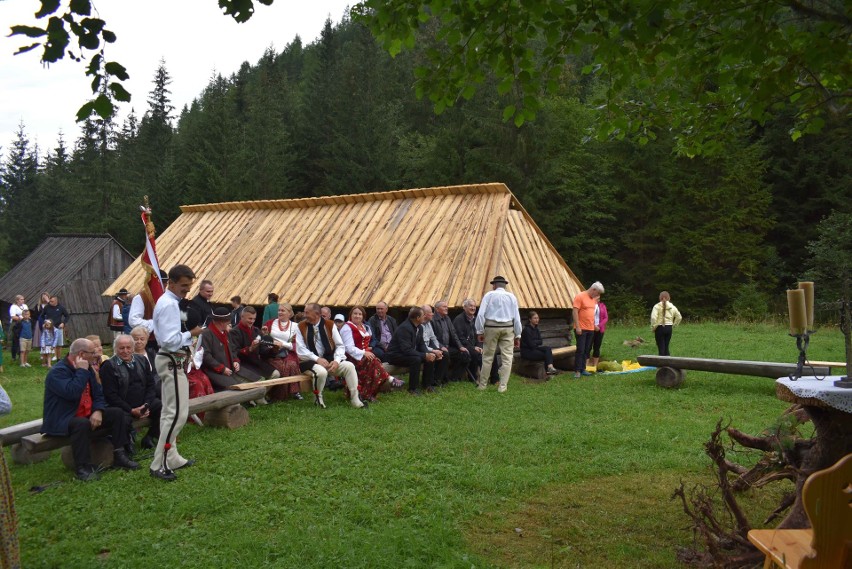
{"type": "Point", "coordinates": [406, 247]}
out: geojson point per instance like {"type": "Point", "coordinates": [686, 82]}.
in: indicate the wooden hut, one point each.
{"type": "Point", "coordinates": [405, 247]}
{"type": "Point", "coordinates": [76, 268]}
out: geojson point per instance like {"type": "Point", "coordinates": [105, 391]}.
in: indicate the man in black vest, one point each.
{"type": "Point", "coordinates": [128, 381]}
{"type": "Point", "coordinates": [408, 349]}
{"type": "Point", "coordinates": [321, 351]}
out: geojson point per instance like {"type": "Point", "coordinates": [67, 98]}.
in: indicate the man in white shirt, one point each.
{"type": "Point", "coordinates": [171, 367]}
{"type": "Point", "coordinates": [321, 351]}
{"type": "Point", "coordinates": [498, 324]}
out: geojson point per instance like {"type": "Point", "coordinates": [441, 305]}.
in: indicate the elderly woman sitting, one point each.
{"type": "Point", "coordinates": [356, 337]}
{"type": "Point", "coordinates": [283, 357]}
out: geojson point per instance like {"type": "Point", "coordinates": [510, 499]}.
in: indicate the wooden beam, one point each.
{"type": "Point", "coordinates": [737, 367]}
{"type": "Point", "coordinates": [270, 382]}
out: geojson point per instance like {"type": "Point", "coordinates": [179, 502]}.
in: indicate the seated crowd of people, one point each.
{"type": "Point", "coordinates": [233, 347]}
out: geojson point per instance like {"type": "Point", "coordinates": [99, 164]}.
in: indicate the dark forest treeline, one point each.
{"type": "Point", "coordinates": [339, 116]}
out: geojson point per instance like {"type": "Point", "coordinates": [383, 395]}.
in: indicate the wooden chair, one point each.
{"type": "Point", "coordinates": [827, 497]}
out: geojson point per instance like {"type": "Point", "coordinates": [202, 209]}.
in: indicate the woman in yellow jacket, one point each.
{"type": "Point", "coordinates": [664, 316]}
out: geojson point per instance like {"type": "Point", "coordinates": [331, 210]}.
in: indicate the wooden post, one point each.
{"type": "Point", "coordinates": [232, 417]}
{"type": "Point", "coordinates": [21, 456]}
{"type": "Point", "coordinates": [670, 377]}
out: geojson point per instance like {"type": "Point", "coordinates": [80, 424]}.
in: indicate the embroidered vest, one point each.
{"type": "Point", "coordinates": [326, 337]}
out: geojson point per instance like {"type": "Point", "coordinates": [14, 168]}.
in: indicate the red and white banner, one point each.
{"type": "Point", "coordinates": [152, 287]}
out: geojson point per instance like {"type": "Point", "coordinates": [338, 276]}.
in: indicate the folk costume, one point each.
{"type": "Point", "coordinates": [371, 374]}
{"type": "Point", "coordinates": [499, 321]}
{"type": "Point", "coordinates": [171, 364]}
{"type": "Point", "coordinates": [220, 356]}
{"type": "Point", "coordinates": [286, 361]}
{"type": "Point", "coordinates": [322, 340]}
{"type": "Point", "coordinates": [115, 321]}
{"type": "Point", "coordinates": [251, 365]}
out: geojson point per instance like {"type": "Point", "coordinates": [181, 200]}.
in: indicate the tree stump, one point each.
{"type": "Point", "coordinates": [231, 417]}
{"type": "Point", "coordinates": [670, 377]}
{"type": "Point", "coordinates": [101, 450]}
{"type": "Point", "coordinates": [21, 456]}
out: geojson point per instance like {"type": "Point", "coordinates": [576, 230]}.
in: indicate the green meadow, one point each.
{"type": "Point", "coordinates": [567, 473]}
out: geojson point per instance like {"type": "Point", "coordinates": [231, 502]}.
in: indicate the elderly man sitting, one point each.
{"type": "Point", "coordinates": [129, 385]}
{"type": "Point", "coordinates": [221, 361]}
{"type": "Point", "coordinates": [321, 351]}
{"type": "Point", "coordinates": [74, 406]}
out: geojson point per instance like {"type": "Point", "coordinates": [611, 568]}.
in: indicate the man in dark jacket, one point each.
{"type": "Point", "coordinates": [74, 406]}
{"type": "Point", "coordinates": [221, 362]}
{"type": "Point", "coordinates": [449, 339]}
{"type": "Point", "coordinates": [201, 302]}
{"type": "Point", "coordinates": [57, 314]}
{"type": "Point", "coordinates": [383, 327]}
{"type": "Point", "coordinates": [128, 383]}
{"type": "Point", "coordinates": [245, 347]}
{"type": "Point", "coordinates": [407, 349]}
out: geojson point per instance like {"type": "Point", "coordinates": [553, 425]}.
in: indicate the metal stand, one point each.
{"type": "Point", "coordinates": [802, 341]}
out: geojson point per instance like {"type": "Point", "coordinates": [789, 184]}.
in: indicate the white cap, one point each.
{"type": "Point", "coordinates": [340, 317]}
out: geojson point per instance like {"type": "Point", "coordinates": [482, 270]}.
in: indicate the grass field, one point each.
{"type": "Point", "coordinates": [569, 473]}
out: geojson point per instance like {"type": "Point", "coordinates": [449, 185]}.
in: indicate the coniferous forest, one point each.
{"type": "Point", "coordinates": [728, 232]}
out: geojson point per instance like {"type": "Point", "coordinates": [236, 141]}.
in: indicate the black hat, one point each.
{"type": "Point", "coordinates": [221, 313]}
{"type": "Point", "coordinates": [164, 276]}
{"type": "Point", "coordinates": [122, 292]}
{"type": "Point", "coordinates": [499, 280]}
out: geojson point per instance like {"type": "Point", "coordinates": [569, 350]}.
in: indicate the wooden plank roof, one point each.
{"type": "Point", "coordinates": [406, 247]}
{"type": "Point", "coordinates": [52, 264]}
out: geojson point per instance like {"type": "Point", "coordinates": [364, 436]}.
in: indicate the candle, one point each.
{"type": "Point", "coordinates": [808, 287]}
{"type": "Point", "coordinates": [798, 311]}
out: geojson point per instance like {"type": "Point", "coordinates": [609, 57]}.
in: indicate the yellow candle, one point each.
{"type": "Point", "coordinates": [808, 287]}
{"type": "Point", "coordinates": [798, 311]}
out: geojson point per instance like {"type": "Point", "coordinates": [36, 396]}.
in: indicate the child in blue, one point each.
{"type": "Point", "coordinates": [26, 337]}
{"type": "Point", "coordinates": [48, 342]}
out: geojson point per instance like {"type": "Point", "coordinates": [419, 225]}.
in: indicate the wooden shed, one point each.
{"type": "Point", "coordinates": [405, 247]}
{"type": "Point", "coordinates": [76, 268]}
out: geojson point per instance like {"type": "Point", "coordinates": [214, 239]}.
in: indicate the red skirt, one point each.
{"type": "Point", "coordinates": [371, 376]}
{"type": "Point", "coordinates": [287, 367]}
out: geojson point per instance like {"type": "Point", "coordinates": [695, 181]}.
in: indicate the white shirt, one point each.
{"type": "Point", "coordinates": [287, 335]}
{"type": "Point", "coordinates": [136, 317]}
{"type": "Point", "coordinates": [429, 337]}
{"type": "Point", "coordinates": [307, 355]}
{"type": "Point", "coordinates": [349, 340]}
{"type": "Point", "coordinates": [167, 323]}
{"type": "Point", "coordinates": [116, 312]}
{"type": "Point", "coordinates": [499, 305]}
{"type": "Point", "coordinates": [16, 311]}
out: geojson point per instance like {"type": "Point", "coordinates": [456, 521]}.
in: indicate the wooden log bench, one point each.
{"type": "Point", "coordinates": [671, 371]}
{"type": "Point", "coordinates": [220, 409]}
{"type": "Point", "coordinates": [11, 437]}
{"type": "Point", "coordinates": [563, 359]}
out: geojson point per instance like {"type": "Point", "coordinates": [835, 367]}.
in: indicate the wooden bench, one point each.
{"type": "Point", "coordinates": [221, 409]}
{"type": "Point", "coordinates": [671, 370]}
{"type": "Point", "coordinates": [563, 358]}
{"type": "Point", "coordinates": [11, 437]}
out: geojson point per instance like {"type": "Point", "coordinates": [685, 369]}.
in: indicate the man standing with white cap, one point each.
{"type": "Point", "coordinates": [498, 324]}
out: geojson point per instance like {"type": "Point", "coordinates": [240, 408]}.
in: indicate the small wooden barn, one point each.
{"type": "Point", "coordinates": [405, 247]}
{"type": "Point", "coordinates": [76, 268]}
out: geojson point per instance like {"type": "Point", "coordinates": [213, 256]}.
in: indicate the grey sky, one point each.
{"type": "Point", "coordinates": [193, 37]}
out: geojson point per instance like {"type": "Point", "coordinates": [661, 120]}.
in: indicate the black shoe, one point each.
{"type": "Point", "coordinates": [186, 464]}
{"type": "Point", "coordinates": [166, 475]}
{"type": "Point", "coordinates": [121, 460]}
{"type": "Point", "coordinates": [297, 396]}
{"type": "Point", "coordinates": [87, 473]}
{"type": "Point", "coordinates": [148, 442]}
